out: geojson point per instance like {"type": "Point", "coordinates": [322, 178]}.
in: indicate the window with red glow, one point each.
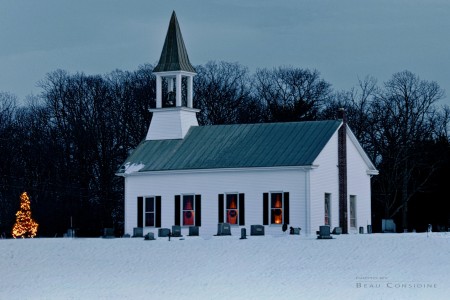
{"type": "Point", "coordinates": [188, 210]}
{"type": "Point", "coordinates": [232, 209]}
{"type": "Point", "coordinates": [276, 208]}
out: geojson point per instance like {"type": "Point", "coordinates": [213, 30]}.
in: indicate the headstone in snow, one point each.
{"type": "Point", "coordinates": [193, 231]}
{"type": "Point", "coordinates": [256, 230]}
{"type": "Point", "coordinates": [324, 233]}
{"type": "Point", "coordinates": [176, 231]}
{"type": "Point", "coordinates": [70, 233]}
{"type": "Point", "coordinates": [108, 233]}
{"type": "Point", "coordinates": [295, 230]}
{"type": "Point", "coordinates": [149, 236]}
{"type": "Point", "coordinates": [243, 233]}
{"type": "Point", "coordinates": [337, 230]}
{"type": "Point", "coordinates": [388, 225]}
{"type": "Point", "coordinates": [163, 232]}
{"type": "Point", "coordinates": [223, 229]}
{"type": "Point", "coordinates": [138, 232]}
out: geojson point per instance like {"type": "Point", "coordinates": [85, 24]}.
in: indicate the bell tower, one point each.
{"type": "Point", "coordinates": [174, 113]}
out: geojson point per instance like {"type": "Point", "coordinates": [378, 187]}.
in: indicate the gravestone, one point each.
{"type": "Point", "coordinates": [295, 230]}
{"type": "Point", "coordinates": [138, 232]}
{"type": "Point", "coordinates": [108, 233]}
{"type": "Point", "coordinates": [163, 232]}
{"type": "Point", "coordinates": [193, 231]}
{"type": "Point", "coordinates": [388, 225]}
{"type": "Point", "coordinates": [324, 233]}
{"type": "Point", "coordinates": [70, 233]}
{"type": "Point", "coordinates": [149, 236]}
{"type": "Point", "coordinates": [176, 231]}
{"type": "Point", "coordinates": [243, 234]}
{"type": "Point", "coordinates": [337, 230]}
{"type": "Point", "coordinates": [223, 229]}
{"type": "Point", "coordinates": [256, 230]}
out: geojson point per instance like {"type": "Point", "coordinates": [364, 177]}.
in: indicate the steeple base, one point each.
{"type": "Point", "coordinates": [171, 123]}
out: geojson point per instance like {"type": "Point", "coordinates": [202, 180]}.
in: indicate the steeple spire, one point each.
{"type": "Point", "coordinates": [174, 56]}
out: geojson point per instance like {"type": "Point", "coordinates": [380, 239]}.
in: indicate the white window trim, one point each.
{"type": "Point", "coordinates": [183, 210]}
{"type": "Point", "coordinates": [270, 208]}
{"type": "Point", "coordinates": [144, 211]}
{"type": "Point", "coordinates": [237, 207]}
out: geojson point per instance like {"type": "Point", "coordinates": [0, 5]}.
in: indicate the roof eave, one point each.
{"type": "Point", "coordinates": [218, 170]}
{"type": "Point", "coordinates": [372, 172]}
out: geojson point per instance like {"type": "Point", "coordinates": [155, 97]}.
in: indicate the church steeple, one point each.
{"type": "Point", "coordinates": [174, 67]}
{"type": "Point", "coordinates": [174, 113]}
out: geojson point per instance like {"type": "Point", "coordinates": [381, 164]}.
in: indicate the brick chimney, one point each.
{"type": "Point", "coordinates": [342, 168]}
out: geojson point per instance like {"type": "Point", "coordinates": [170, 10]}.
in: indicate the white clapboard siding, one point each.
{"type": "Point", "coordinates": [253, 183]}
{"type": "Point", "coordinates": [358, 184]}
{"type": "Point", "coordinates": [324, 179]}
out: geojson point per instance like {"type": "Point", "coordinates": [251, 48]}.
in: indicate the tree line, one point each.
{"type": "Point", "coordinates": [64, 145]}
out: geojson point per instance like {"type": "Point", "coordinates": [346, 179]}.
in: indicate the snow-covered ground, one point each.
{"type": "Point", "coordinates": [377, 266]}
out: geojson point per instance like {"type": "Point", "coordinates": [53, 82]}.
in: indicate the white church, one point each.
{"type": "Point", "coordinates": [302, 174]}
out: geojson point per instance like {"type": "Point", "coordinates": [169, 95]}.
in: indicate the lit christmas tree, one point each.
{"type": "Point", "coordinates": [25, 226]}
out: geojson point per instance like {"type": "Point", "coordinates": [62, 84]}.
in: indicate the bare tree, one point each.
{"type": "Point", "coordinates": [133, 94]}
{"type": "Point", "coordinates": [8, 105]}
{"type": "Point", "coordinates": [357, 103]}
{"type": "Point", "coordinates": [98, 120]}
{"type": "Point", "coordinates": [65, 145]}
{"type": "Point", "coordinates": [8, 109]}
{"type": "Point", "coordinates": [291, 94]}
{"type": "Point", "coordinates": [404, 118]}
{"type": "Point", "coordinates": [222, 92]}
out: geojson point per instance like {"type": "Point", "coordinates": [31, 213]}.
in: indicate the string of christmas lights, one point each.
{"type": "Point", "coordinates": [25, 226]}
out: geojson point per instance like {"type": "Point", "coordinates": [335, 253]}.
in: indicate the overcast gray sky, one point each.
{"type": "Point", "coordinates": [344, 40]}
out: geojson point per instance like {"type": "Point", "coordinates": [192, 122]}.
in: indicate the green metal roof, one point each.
{"type": "Point", "coordinates": [174, 56]}
{"type": "Point", "coordinates": [235, 146]}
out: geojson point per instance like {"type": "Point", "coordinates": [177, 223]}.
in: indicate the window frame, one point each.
{"type": "Point", "coordinates": [145, 212]}
{"type": "Point", "coordinates": [271, 208]}
{"type": "Point", "coordinates": [226, 210]}
{"type": "Point", "coordinates": [187, 210]}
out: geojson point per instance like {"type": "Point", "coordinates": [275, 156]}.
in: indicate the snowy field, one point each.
{"type": "Point", "coordinates": [377, 266]}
